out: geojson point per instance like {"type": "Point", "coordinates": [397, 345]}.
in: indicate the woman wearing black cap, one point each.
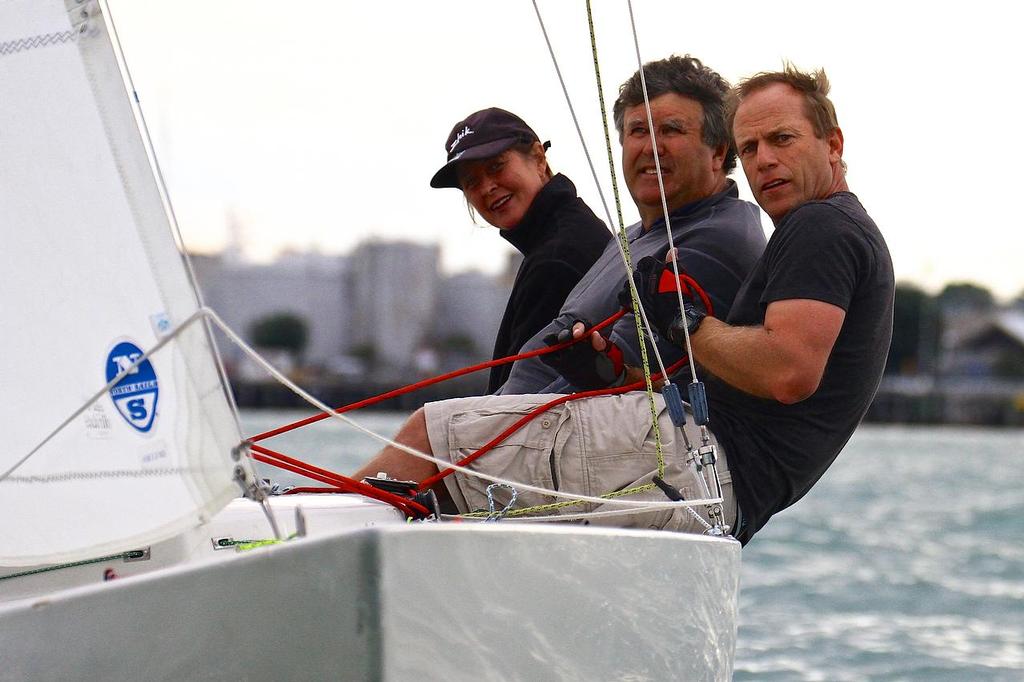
{"type": "Point", "coordinates": [499, 164]}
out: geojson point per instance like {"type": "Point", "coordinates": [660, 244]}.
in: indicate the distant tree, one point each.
{"type": "Point", "coordinates": [914, 332]}
{"type": "Point", "coordinates": [281, 331]}
{"type": "Point", "coordinates": [459, 343]}
{"type": "Point", "coordinates": [966, 296]}
{"type": "Point", "coordinates": [367, 352]}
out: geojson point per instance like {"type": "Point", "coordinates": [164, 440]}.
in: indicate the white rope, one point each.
{"type": "Point", "coordinates": [165, 198]}
{"type": "Point", "coordinates": [288, 383]}
{"type": "Point", "coordinates": [638, 304]}
{"type": "Point", "coordinates": [207, 313]}
{"type": "Point", "coordinates": [600, 193]}
{"type": "Point", "coordinates": [661, 188]}
{"type": "Point", "coordinates": [100, 393]}
{"type": "Point", "coordinates": [572, 517]}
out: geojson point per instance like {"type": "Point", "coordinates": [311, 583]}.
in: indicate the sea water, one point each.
{"type": "Point", "coordinates": [905, 562]}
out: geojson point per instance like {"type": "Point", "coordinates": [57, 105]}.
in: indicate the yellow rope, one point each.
{"type": "Point", "coordinates": [624, 241]}
{"type": "Point", "coordinates": [568, 503]}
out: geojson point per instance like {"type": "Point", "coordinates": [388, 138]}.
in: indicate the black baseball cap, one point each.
{"type": "Point", "coordinates": [481, 135]}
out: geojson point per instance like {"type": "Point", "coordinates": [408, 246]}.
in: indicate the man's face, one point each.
{"type": "Point", "coordinates": [785, 164]}
{"type": "Point", "coordinates": [691, 169]}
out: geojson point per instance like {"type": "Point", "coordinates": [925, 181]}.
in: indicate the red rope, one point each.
{"type": "Point", "coordinates": [311, 490]}
{"type": "Point", "coordinates": [705, 299]}
{"type": "Point", "coordinates": [345, 484]}
{"type": "Point", "coordinates": [497, 440]}
{"type": "Point", "coordinates": [402, 507]}
{"type": "Point", "coordinates": [432, 480]}
{"type": "Point", "coordinates": [267, 456]}
{"type": "Point", "coordinates": [430, 382]}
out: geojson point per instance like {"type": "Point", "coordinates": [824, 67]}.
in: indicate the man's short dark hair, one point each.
{"type": "Point", "coordinates": [688, 77]}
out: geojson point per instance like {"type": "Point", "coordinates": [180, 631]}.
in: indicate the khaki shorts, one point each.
{"type": "Point", "coordinates": [590, 446]}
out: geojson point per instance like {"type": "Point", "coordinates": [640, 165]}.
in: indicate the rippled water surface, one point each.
{"type": "Point", "coordinates": [906, 562]}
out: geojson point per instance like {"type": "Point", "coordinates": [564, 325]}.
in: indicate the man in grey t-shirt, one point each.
{"type": "Point", "coordinates": [719, 237]}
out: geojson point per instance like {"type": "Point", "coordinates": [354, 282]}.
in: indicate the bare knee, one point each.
{"type": "Point", "coordinates": [415, 427]}
{"type": "Point", "coordinates": [398, 463]}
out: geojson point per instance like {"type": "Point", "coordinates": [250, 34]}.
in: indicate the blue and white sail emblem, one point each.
{"type": "Point", "coordinates": [135, 396]}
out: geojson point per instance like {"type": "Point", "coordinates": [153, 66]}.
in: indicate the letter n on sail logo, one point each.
{"type": "Point", "coordinates": [135, 395]}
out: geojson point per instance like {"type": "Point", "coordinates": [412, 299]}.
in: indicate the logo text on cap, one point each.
{"type": "Point", "coordinates": [458, 138]}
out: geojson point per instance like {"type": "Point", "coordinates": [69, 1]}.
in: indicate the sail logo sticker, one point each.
{"type": "Point", "coordinates": [135, 395]}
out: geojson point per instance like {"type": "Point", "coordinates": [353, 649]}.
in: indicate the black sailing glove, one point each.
{"type": "Point", "coordinates": [656, 289]}
{"type": "Point", "coordinates": [581, 365]}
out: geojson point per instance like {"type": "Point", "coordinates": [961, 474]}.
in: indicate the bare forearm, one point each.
{"type": "Point", "coordinates": [739, 355]}
{"type": "Point", "coordinates": [745, 357]}
{"type": "Point", "coordinates": [732, 354]}
{"type": "Point", "coordinates": [721, 346]}
{"type": "Point", "coordinates": [783, 359]}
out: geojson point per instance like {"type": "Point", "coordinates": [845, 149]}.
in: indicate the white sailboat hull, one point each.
{"type": "Point", "coordinates": [437, 601]}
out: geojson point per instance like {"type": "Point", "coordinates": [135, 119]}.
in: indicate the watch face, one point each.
{"type": "Point", "coordinates": [675, 331]}
{"type": "Point", "coordinates": [693, 319]}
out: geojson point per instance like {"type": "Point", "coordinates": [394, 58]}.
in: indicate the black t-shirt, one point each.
{"type": "Point", "coordinates": [829, 251]}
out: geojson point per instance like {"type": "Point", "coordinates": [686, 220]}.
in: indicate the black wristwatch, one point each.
{"type": "Point", "coordinates": [693, 319]}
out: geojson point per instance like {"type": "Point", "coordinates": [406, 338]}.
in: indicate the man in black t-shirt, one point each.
{"type": "Point", "coordinates": [799, 358]}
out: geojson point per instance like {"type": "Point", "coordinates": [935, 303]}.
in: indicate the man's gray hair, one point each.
{"type": "Point", "coordinates": [688, 77]}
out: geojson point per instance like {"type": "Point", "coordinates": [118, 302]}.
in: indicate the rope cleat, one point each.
{"type": "Point", "coordinates": [408, 489]}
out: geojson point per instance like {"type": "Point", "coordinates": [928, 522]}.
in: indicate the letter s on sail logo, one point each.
{"type": "Point", "coordinates": [135, 395]}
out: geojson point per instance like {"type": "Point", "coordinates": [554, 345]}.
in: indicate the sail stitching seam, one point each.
{"type": "Point", "coordinates": [44, 40]}
{"type": "Point", "coordinates": [110, 473]}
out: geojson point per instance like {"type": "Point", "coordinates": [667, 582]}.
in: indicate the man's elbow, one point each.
{"type": "Point", "coordinates": [795, 387]}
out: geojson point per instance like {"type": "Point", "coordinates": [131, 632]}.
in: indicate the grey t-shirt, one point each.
{"type": "Point", "coordinates": [719, 239]}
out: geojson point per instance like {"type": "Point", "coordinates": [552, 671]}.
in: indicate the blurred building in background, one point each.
{"type": "Point", "coordinates": [385, 315]}
{"type": "Point", "coordinates": [384, 312]}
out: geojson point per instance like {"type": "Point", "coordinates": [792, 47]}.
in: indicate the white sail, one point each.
{"type": "Point", "coordinates": [91, 276]}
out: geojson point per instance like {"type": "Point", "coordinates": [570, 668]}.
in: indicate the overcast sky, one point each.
{"type": "Point", "coordinates": [318, 124]}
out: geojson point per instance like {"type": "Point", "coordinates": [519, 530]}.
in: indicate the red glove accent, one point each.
{"type": "Point", "coordinates": [688, 285]}
{"type": "Point", "coordinates": [614, 354]}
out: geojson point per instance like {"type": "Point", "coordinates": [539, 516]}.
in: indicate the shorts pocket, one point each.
{"type": "Point", "coordinates": [617, 474]}
{"type": "Point", "coordinates": [615, 425]}
{"type": "Point", "coordinates": [612, 445]}
{"type": "Point", "coordinates": [524, 456]}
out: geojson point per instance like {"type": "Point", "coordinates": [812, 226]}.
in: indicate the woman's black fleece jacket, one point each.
{"type": "Point", "coordinates": [560, 238]}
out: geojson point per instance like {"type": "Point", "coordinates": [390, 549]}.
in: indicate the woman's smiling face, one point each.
{"type": "Point", "coordinates": [503, 187]}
